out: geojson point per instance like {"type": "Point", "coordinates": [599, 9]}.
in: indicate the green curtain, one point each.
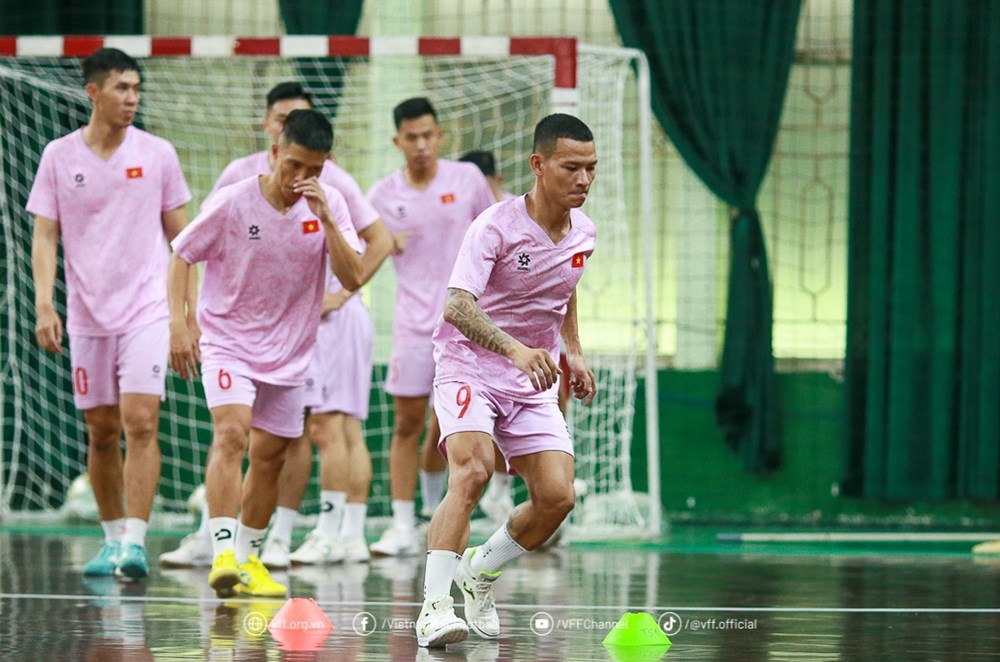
{"type": "Point", "coordinates": [720, 69]}
{"type": "Point", "coordinates": [923, 324]}
{"type": "Point", "coordinates": [326, 18]}
{"type": "Point", "coordinates": [323, 77]}
{"type": "Point", "coordinates": [56, 17]}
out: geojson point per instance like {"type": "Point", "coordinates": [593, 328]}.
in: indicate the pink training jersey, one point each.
{"type": "Point", "coordinates": [437, 217]}
{"type": "Point", "coordinates": [110, 219]}
{"type": "Point", "coordinates": [362, 213]}
{"type": "Point", "coordinates": [523, 282]}
{"type": "Point", "coordinates": [262, 289]}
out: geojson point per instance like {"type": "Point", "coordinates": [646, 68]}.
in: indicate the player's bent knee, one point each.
{"type": "Point", "coordinates": [557, 505]}
{"type": "Point", "coordinates": [103, 430]}
{"type": "Point", "coordinates": [230, 439]}
{"type": "Point", "coordinates": [142, 429]}
{"type": "Point", "coordinates": [468, 480]}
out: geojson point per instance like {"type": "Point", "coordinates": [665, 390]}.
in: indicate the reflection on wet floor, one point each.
{"type": "Point", "coordinates": [721, 603]}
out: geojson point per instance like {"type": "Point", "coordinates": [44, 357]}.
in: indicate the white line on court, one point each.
{"type": "Point", "coordinates": [531, 607]}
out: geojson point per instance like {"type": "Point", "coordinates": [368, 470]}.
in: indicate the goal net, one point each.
{"type": "Point", "coordinates": [206, 95]}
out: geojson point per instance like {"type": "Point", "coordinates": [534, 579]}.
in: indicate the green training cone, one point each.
{"type": "Point", "coordinates": [636, 629]}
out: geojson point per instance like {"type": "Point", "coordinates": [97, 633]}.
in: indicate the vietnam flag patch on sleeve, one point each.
{"type": "Point", "coordinates": [577, 261]}
{"type": "Point", "coordinates": [448, 198]}
{"type": "Point", "coordinates": [133, 173]}
{"type": "Point", "coordinates": [308, 227]}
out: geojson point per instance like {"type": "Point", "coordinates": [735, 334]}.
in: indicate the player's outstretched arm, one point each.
{"type": "Point", "coordinates": [462, 312]}
{"type": "Point", "coordinates": [183, 346]}
{"type": "Point", "coordinates": [582, 383]}
{"type": "Point", "coordinates": [44, 248]}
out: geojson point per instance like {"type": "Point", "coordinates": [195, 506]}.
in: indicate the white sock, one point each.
{"type": "Point", "coordinates": [114, 529]}
{"type": "Point", "coordinates": [403, 515]}
{"type": "Point", "coordinates": [204, 530]}
{"type": "Point", "coordinates": [248, 541]}
{"type": "Point", "coordinates": [496, 552]}
{"type": "Point", "coordinates": [499, 486]}
{"type": "Point", "coordinates": [432, 487]}
{"type": "Point", "coordinates": [353, 524]}
{"type": "Point", "coordinates": [223, 534]}
{"type": "Point", "coordinates": [331, 506]}
{"type": "Point", "coordinates": [135, 531]}
{"type": "Point", "coordinates": [439, 572]}
{"type": "Point", "coordinates": [284, 523]}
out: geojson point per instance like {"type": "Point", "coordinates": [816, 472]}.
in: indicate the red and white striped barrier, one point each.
{"type": "Point", "coordinates": [563, 49]}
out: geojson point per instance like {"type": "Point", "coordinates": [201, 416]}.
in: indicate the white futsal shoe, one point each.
{"type": "Point", "coordinates": [438, 625]}
{"type": "Point", "coordinates": [274, 553]}
{"type": "Point", "coordinates": [477, 589]}
{"type": "Point", "coordinates": [195, 551]}
{"type": "Point", "coordinates": [396, 542]}
{"type": "Point", "coordinates": [317, 550]}
{"type": "Point", "coordinates": [354, 551]}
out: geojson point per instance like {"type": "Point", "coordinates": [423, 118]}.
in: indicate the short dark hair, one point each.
{"type": "Point", "coordinates": [413, 108]}
{"type": "Point", "coordinates": [287, 90]}
{"type": "Point", "coordinates": [308, 128]}
{"type": "Point", "coordinates": [99, 65]}
{"type": "Point", "coordinates": [559, 125]}
{"type": "Point", "coordinates": [484, 161]}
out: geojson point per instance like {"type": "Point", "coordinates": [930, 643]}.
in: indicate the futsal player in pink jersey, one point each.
{"type": "Point", "coordinates": [427, 205]}
{"type": "Point", "coordinates": [497, 501]}
{"type": "Point", "coordinates": [511, 296]}
{"type": "Point", "coordinates": [114, 195]}
{"type": "Point", "coordinates": [267, 243]}
{"type": "Point", "coordinates": [338, 386]}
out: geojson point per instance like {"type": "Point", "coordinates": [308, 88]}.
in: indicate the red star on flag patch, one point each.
{"type": "Point", "coordinates": [577, 261]}
{"type": "Point", "coordinates": [133, 173]}
{"type": "Point", "coordinates": [308, 227]}
{"type": "Point", "coordinates": [448, 198]}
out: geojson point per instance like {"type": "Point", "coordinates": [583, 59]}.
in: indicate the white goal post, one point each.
{"type": "Point", "coordinates": [206, 95]}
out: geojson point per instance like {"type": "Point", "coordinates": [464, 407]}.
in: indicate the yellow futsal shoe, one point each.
{"type": "Point", "coordinates": [256, 580]}
{"type": "Point", "coordinates": [225, 574]}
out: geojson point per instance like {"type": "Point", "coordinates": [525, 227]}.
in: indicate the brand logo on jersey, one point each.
{"type": "Point", "coordinates": [400, 211]}
{"type": "Point", "coordinates": [133, 173]}
{"type": "Point", "coordinates": [156, 370]}
{"type": "Point", "coordinates": [577, 261]}
{"type": "Point", "coordinates": [254, 232]}
{"type": "Point", "coordinates": [308, 227]}
{"type": "Point", "coordinates": [78, 178]}
{"type": "Point", "coordinates": [523, 260]}
{"type": "Point", "coordinates": [448, 198]}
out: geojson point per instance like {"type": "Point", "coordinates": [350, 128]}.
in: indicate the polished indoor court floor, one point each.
{"type": "Point", "coordinates": [720, 601]}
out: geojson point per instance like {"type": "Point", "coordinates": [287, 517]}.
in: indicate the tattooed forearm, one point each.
{"type": "Point", "coordinates": [462, 312]}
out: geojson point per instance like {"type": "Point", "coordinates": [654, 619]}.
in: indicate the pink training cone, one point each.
{"type": "Point", "coordinates": [300, 625]}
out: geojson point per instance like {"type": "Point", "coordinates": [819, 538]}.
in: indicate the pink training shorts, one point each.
{"type": "Point", "coordinates": [411, 369]}
{"type": "Point", "coordinates": [339, 378]}
{"type": "Point", "coordinates": [518, 428]}
{"type": "Point", "coordinates": [277, 409]}
{"type": "Point", "coordinates": [104, 367]}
